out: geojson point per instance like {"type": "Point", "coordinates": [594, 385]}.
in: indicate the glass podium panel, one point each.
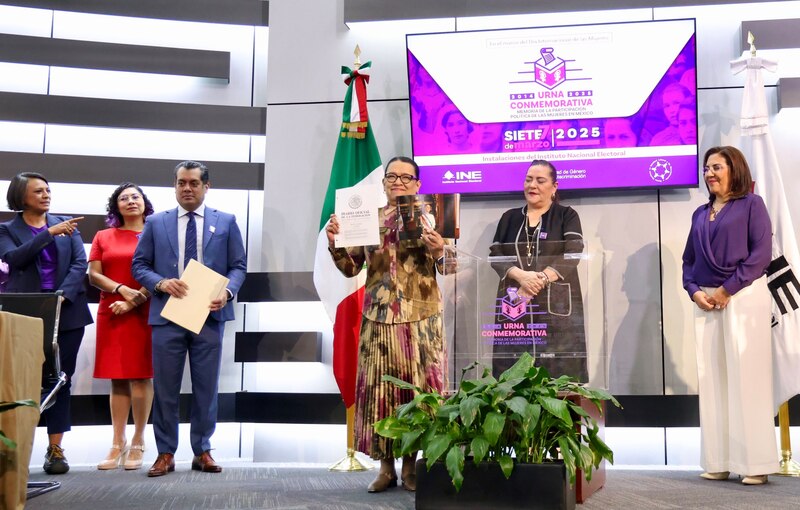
{"type": "Point", "coordinates": [497, 307]}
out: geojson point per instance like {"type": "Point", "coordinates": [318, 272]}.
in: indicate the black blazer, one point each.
{"type": "Point", "coordinates": [20, 249]}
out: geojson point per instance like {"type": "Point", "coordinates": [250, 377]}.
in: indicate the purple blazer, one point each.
{"type": "Point", "coordinates": [733, 251]}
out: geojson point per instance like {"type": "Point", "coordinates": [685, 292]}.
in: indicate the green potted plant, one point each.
{"type": "Point", "coordinates": [521, 420]}
{"type": "Point", "coordinates": [7, 406]}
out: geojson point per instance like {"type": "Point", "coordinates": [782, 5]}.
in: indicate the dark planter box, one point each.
{"type": "Point", "coordinates": [537, 486]}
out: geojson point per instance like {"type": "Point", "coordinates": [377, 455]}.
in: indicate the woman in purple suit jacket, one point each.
{"type": "Point", "coordinates": [724, 267]}
{"type": "Point", "coordinates": [45, 253]}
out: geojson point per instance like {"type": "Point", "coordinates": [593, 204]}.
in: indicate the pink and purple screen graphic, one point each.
{"type": "Point", "coordinates": [656, 147]}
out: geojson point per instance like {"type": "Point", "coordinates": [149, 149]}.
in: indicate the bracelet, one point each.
{"type": "Point", "coordinates": [116, 289]}
{"type": "Point", "coordinates": [546, 279]}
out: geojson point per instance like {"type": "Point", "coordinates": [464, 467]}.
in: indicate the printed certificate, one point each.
{"type": "Point", "coordinates": [357, 211]}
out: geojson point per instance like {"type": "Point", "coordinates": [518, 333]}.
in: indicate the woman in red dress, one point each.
{"type": "Point", "coordinates": [124, 349]}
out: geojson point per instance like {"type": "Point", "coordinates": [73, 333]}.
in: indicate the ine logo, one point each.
{"type": "Point", "coordinates": [660, 170]}
{"type": "Point", "coordinates": [461, 176]}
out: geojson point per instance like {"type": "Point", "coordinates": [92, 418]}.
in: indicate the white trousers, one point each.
{"type": "Point", "coordinates": [734, 367]}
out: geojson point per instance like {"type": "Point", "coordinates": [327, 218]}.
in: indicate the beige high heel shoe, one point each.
{"type": "Point", "coordinates": [116, 456]}
{"type": "Point", "coordinates": [135, 455]}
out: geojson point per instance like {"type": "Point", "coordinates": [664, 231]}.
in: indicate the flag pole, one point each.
{"type": "Point", "coordinates": [788, 466]}
{"type": "Point", "coordinates": [349, 462]}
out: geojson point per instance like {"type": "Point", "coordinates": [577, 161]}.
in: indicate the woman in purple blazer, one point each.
{"type": "Point", "coordinates": [724, 266]}
{"type": "Point", "coordinates": [45, 253]}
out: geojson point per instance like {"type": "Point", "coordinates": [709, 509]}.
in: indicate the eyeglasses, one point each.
{"type": "Point", "coordinates": [405, 178]}
{"type": "Point", "coordinates": [714, 168]}
{"type": "Point", "coordinates": [129, 198]}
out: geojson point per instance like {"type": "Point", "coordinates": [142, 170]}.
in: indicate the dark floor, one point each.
{"type": "Point", "coordinates": [256, 486]}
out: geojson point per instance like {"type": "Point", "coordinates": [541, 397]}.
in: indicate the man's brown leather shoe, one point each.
{"type": "Point", "coordinates": [165, 463]}
{"type": "Point", "coordinates": [205, 463]}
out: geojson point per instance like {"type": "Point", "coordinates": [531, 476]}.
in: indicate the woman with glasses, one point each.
{"type": "Point", "coordinates": [401, 327]}
{"type": "Point", "coordinates": [45, 253]}
{"type": "Point", "coordinates": [724, 267]}
{"type": "Point", "coordinates": [124, 348]}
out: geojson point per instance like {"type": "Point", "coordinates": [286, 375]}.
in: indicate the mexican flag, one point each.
{"type": "Point", "coordinates": [356, 161]}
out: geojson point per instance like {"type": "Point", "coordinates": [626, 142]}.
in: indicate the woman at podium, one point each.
{"type": "Point", "coordinates": [45, 253]}
{"type": "Point", "coordinates": [401, 327]}
{"type": "Point", "coordinates": [539, 307]}
{"type": "Point", "coordinates": [124, 351]}
{"type": "Point", "coordinates": [724, 266]}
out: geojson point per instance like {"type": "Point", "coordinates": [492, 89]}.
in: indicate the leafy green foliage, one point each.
{"type": "Point", "coordinates": [7, 406]}
{"type": "Point", "coordinates": [523, 414]}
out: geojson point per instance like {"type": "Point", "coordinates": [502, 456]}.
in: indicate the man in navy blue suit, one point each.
{"type": "Point", "coordinates": [169, 240]}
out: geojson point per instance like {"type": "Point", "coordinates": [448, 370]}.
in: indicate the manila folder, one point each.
{"type": "Point", "coordinates": [191, 311]}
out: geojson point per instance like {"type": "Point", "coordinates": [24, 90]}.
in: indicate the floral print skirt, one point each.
{"type": "Point", "coordinates": [411, 351]}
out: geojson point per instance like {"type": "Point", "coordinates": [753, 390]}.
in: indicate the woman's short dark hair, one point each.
{"type": "Point", "coordinates": [18, 187]}
{"type": "Point", "coordinates": [740, 177]}
{"type": "Point", "coordinates": [114, 217]}
{"type": "Point", "coordinates": [190, 165]}
{"type": "Point", "coordinates": [544, 162]}
{"type": "Point", "coordinates": [403, 159]}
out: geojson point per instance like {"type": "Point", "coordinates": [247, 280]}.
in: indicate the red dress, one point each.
{"type": "Point", "coordinates": [124, 347]}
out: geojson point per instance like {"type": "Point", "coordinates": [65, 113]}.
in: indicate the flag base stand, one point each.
{"type": "Point", "coordinates": [349, 463]}
{"type": "Point", "coordinates": [788, 466]}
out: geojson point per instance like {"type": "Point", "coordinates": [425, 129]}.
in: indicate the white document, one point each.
{"type": "Point", "coordinates": [357, 211]}
{"type": "Point", "coordinates": [191, 311]}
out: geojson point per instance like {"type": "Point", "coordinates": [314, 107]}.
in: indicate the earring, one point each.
{"type": "Point", "coordinates": [553, 198]}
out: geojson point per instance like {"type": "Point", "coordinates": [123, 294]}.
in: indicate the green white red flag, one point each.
{"type": "Point", "coordinates": [355, 162]}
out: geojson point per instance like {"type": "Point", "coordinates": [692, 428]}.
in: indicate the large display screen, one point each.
{"type": "Point", "coordinates": [611, 106]}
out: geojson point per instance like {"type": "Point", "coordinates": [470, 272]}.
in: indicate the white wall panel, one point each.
{"type": "Point", "coordinates": [291, 377]}
{"type": "Point", "coordinates": [679, 343]}
{"type": "Point", "coordinates": [236, 39]}
{"type": "Point", "coordinates": [144, 143]}
{"type": "Point", "coordinates": [296, 179]}
{"type": "Point", "coordinates": [549, 19]}
{"type": "Point", "coordinates": [25, 21]}
{"type": "Point", "coordinates": [258, 148]}
{"type": "Point", "coordinates": [386, 48]}
{"type": "Point", "coordinates": [625, 225]}
{"type": "Point", "coordinates": [718, 29]}
{"type": "Point", "coordinates": [783, 128]}
{"type": "Point", "coordinates": [261, 50]}
{"type": "Point", "coordinates": [27, 78]}
{"type": "Point", "coordinates": [683, 446]}
{"type": "Point", "coordinates": [21, 136]}
{"type": "Point", "coordinates": [255, 232]}
{"type": "Point", "coordinates": [640, 446]}
{"type": "Point", "coordinates": [290, 442]}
